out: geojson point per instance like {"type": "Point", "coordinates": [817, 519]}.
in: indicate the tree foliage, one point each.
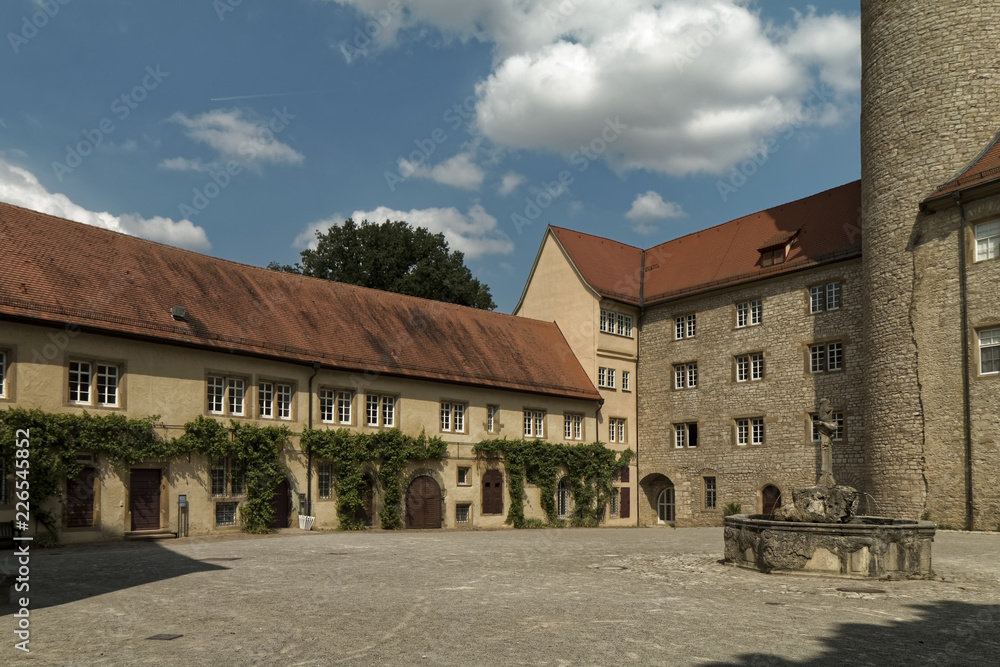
{"type": "Point", "coordinates": [395, 257]}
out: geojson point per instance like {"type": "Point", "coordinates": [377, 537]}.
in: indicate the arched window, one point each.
{"type": "Point", "coordinates": [665, 505]}
{"type": "Point", "coordinates": [562, 497]}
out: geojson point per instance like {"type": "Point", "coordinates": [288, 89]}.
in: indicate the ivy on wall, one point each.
{"type": "Point", "coordinates": [55, 439]}
{"type": "Point", "coordinates": [386, 452]}
{"type": "Point", "coordinates": [589, 468]}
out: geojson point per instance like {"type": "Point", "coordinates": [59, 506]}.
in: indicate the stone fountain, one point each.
{"type": "Point", "coordinates": [819, 533]}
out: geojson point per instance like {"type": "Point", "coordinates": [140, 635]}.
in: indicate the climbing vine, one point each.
{"type": "Point", "coordinates": [386, 452]}
{"type": "Point", "coordinates": [590, 469]}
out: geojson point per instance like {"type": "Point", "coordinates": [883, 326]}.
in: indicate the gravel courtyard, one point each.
{"type": "Point", "coordinates": [536, 597]}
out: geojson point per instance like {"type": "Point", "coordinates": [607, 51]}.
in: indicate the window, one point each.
{"type": "Point", "coordinates": [225, 514]}
{"type": "Point", "coordinates": [665, 505]}
{"type": "Point", "coordinates": [750, 367]}
{"type": "Point", "coordinates": [344, 401]}
{"type": "Point", "coordinates": [626, 381]}
{"type": "Point", "coordinates": [710, 493]}
{"type": "Point", "coordinates": [686, 376]}
{"type": "Point", "coordinates": [562, 497]}
{"type": "Point", "coordinates": [86, 385]}
{"type": "Point", "coordinates": [749, 313]}
{"type": "Point", "coordinates": [606, 377]}
{"type": "Point", "coordinates": [79, 382]}
{"type": "Point", "coordinates": [325, 478]}
{"type": "Point", "coordinates": [326, 402]}
{"type": "Point", "coordinates": [274, 401]}
{"type": "Point", "coordinates": [463, 476]}
{"type": "Point", "coordinates": [769, 257]}
{"type": "Point", "coordinates": [837, 435]}
{"type": "Point", "coordinates": [226, 395]}
{"type": "Point", "coordinates": [492, 418]}
{"type": "Point", "coordinates": [107, 385]}
{"type": "Point", "coordinates": [989, 352]}
{"type": "Point", "coordinates": [613, 503]}
{"type": "Point", "coordinates": [616, 430]}
{"type": "Point", "coordinates": [686, 435]}
{"type": "Point", "coordinates": [237, 480]}
{"type": "Point", "coordinates": [219, 477]}
{"type": "Point", "coordinates": [228, 478]}
{"type": "Point", "coordinates": [453, 417]}
{"type": "Point", "coordinates": [462, 513]}
{"type": "Point", "coordinates": [750, 431]}
{"type": "Point", "coordinates": [988, 240]}
{"type": "Point", "coordinates": [826, 357]}
{"type": "Point", "coordinates": [824, 297]}
{"type": "Point", "coordinates": [534, 424]}
{"type": "Point", "coordinates": [380, 410]}
{"type": "Point", "coordinates": [616, 323]}
{"type": "Point", "coordinates": [684, 326]}
{"type": "Point", "coordinates": [573, 427]}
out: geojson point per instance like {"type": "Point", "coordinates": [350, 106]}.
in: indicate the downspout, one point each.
{"type": "Point", "coordinates": [309, 455]}
{"type": "Point", "coordinates": [638, 333]}
{"type": "Point", "coordinates": [966, 390]}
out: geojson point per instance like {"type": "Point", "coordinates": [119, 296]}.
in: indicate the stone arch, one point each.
{"type": "Point", "coordinates": [770, 498]}
{"type": "Point", "coordinates": [653, 486]}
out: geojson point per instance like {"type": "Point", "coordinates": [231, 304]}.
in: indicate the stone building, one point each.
{"type": "Point", "coordinates": [93, 320]}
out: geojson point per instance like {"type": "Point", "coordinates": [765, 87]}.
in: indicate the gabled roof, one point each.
{"type": "Point", "coordinates": [62, 272]}
{"type": "Point", "coordinates": [610, 268]}
{"type": "Point", "coordinates": [827, 225]}
{"type": "Point", "coordinates": [984, 169]}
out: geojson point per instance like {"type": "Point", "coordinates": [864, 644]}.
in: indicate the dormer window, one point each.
{"type": "Point", "coordinates": [775, 251]}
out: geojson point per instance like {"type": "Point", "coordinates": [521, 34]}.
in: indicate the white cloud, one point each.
{"type": "Point", "coordinates": [235, 137]}
{"type": "Point", "coordinates": [184, 164]}
{"type": "Point", "coordinates": [511, 181]}
{"type": "Point", "coordinates": [474, 233]}
{"type": "Point", "coordinates": [699, 83]}
{"type": "Point", "coordinates": [20, 187]}
{"type": "Point", "coordinates": [458, 171]}
{"type": "Point", "coordinates": [650, 206]}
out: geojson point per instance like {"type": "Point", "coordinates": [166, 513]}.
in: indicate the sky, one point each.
{"type": "Point", "coordinates": [238, 128]}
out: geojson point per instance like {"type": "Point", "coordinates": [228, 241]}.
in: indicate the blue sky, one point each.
{"type": "Point", "coordinates": [237, 128]}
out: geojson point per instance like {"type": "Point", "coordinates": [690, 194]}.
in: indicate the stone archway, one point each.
{"type": "Point", "coordinates": [660, 507]}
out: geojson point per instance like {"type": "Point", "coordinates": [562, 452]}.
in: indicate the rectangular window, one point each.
{"type": "Point", "coordinates": [344, 401]}
{"type": "Point", "coordinates": [833, 296]}
{"type": "Point", "coordinates": [219, 477]}
{"type": "Point", "coordinates": [325, 478]}
{"type": "Point", "coordinates": [371, 410]}
{"type": "Point", "coordinates": [686, 376]}
{"type": "Point", "coordinates": [568, 427]}
{"type": "Point", "coordinates": [757, 431]}
{"type": "Point", "coordinates": [690, 326]}
{"type": "Point", "coordinates": [772, 257]}
{"type": "Point", "coordinates": [534, 424]}
{"type": "Point", "coordinates": [988, 240]}
{"type": "Point", "coordinates": [463, 476]}
{"type": "Point", "coordinates": [616, 323]}
{"type": "Point", "coordinates": [616, 430]}
{"type": "Point", "coordinates": [692, 373]}
{"type": "Point", "coordinates": [613, 503]}
{"type": "Point", "coordinates": [459, 410]}
{"type": "Point", "coordinates": [838, 433]}
{"type": "Point", "coordinates": [742, 314]}
{"type": "Point", "coordinates": [834, 356]}
{"type": "Point", "coordinates": [710, 493]}
{"type": "Point", "coordinates": [238, 483]}
{"type": "Point", "coordinates": [326, 405]}
{"type": "Point", "coordinates": [685, 326]}
{"type": "Point", "coordinates": [824, 297]}
{"type": "Point", "coordinates": [605, 315]}
{"type": "Point", "coordinates": [611, 378]}
{"type": "Point", "coordinates": [602, 377]}
{"type": "Point", "coordinates": [462, 513]}
{"type": "Point", "coordinates": [757, 366]}
{"type": "Point", "coordinates": [216, 392]}
{"type": "Point", "coordinates": [989, 352]}
{"type": "Point", "coordinates": [749, 313]}
{"type": "Point", "coordinates": [827, 357]}
{"type": "Point", "coordinates": [679, 327]}
{"type": "Point", "coordinates": [226, 395]}
{"type": "Point", "coordinates": [235, 396]}
{"type": "Point", "coordinates": [389, 411]}
{"type": "Point", "coordinates": [79, 382]}
{"type": "Point", "coordinates": [492, 418]}
{"type": "Point", "coordinates": [742, 432]}
{"type": "Point", "coordinates": [446, 416]}
{"type": "Point", "coordinates": [742, 368]}
{"type": "Point", "coordinates": [107, 385]}
{"type": "Point", "coordinates": [284, 400]}
{"type": "Point", "coordinates": [265, 400]}
{"type": "Point", "coordinates": [686, 435]}
{"type": "Point", "coordinates": [626, 381]}
{"type": "Point", "coordinates": [453, 417]}
{"type": "Point", "coordinates": [225, 514]}
{"type": "Point", "coordinates": [625, 325]}
{"type": "Point", "coordinates": [756, 312]}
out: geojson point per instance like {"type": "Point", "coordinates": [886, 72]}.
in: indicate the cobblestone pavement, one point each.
{"type": "Point", "coordinates": [536, 597]}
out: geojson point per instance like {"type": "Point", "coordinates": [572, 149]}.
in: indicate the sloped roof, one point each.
{"type": "Point", "coordinates": [57, 271]}
{"type": "Point", "coordinates": [828, 226]}
{"type": "Point", "coordinates": [611, 268]}
{"type": "Point", "coordinates": [985, 168]}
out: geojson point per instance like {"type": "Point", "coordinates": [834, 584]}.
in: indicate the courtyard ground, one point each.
{"type": "Point", "coordinates": [534, 597]}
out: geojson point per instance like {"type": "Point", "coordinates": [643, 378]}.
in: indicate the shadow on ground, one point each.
{"type": "Point", "coordinates": [60, 576]}
{"type": "Point", "coordinates": [945, 633]}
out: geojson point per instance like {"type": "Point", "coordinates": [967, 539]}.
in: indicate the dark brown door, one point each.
{"type": "Point", "coordinates": [492, 492]}
{"type": "Point", "coordinates": [367, 511]}
{"type": "Point", "coordinates": [772, 499]}
{"type": "Point", "coordinates": [423, 503]}
{"type": "Point", "coordinates": [80, 499]}
{"type": "Point", "coordinates": [144, 499]}
{"type": "Point", "coordinates": [625, 505]}
{"type": "Point", "coordinates": [281, 505]}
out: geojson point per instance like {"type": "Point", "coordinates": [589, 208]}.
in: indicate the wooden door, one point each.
{"type": "Point", "coordinates": [144, 499]}
{"type": "Point", "coordinates": [492, 492]}
{"type": "Point", "coordinates": [80, 499]}
{"type": "Point", "coordinates": [367, 511]}
{"type": "Point", "coordinates": [282, 506]}
{"type": "Point", "coordinates": [423, 503]}
{"type": "Point", "coordinates": [771, 499]}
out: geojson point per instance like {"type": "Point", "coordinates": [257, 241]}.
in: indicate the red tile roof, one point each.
{"type": "Point", "coordinates": [825, 227]}
{"type": "Point", "coordinates": [612, 269]}
{"type": "Point", "coordinates": [63, 272]}
{"type": "Point", "coordinates": [985, 168]}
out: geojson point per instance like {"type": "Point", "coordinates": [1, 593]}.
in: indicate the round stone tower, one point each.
{"type": "Point", "coordinates": [930, 104]}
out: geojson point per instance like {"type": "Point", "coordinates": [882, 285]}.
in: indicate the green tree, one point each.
{"type": "Point", "coordinates": [394, 257]}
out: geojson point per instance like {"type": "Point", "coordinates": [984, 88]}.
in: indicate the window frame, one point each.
{"type": "Point", "coordinates": [385, 410]}
{"type": "Point", "coordinates": [750, 431]}
{"type": "Point", "coordinates": [279, 401]}
{"type": "Point", "coordinates": [626, 380]}
{"type": "Point", "coordinates": [686, 375]}
{"type": "Point", "coordinates": [324, 481]}
{"type": "Point", "coordinates": [710, 495]}
{"type": "Point", "coordinates": [825, 357]}
{"type": "Point", "coordinates": [492, 418]}
{"type": "Point", "coordinates": [682, 435]}
{"type": "Point", "coordinates": [235, 513]}
{"type": "Point", "coordinates": [749, 313]}
{"type": "Point", "coordinates": [617, 324]}
{"type": "Point", "coordinates": [572, 426]}
{"type": "Point", "coordinates": [617, 431]}
{"type": "Point", "coordinates": [990, 232]}
{"type": "Point", "coordinates": [225, 396]}
{"type": "Point", "coordinates": [685, 326]}
{"type": "Point", "coordinates": [452, 416]}
{"type": "Point", "coordinates": [463, 509]}
{"type": "Point", "coordinates": [993, 347]}
{"type": "Point", "coordinates": [533, 421]}
{"type": "Point", "coordinates": [826, 297]}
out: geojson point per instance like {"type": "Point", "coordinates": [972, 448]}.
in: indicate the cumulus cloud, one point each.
{"type": "Point", "coordinates": [698, 83]}
{"type": "Point", "coordinates": [233, 136]}
{"type": "Point", "coordinates": [459, 171]}
{"type": "Point", "coordinates": [511, 181]}
{"type": "Point", "coordinates": [474, 233]}
{"type": "Point", "coordinates": [648, 207]}
{"type": "Point", "coordinates": [20, 187]}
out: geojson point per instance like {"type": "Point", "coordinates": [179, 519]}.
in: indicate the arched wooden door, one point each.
{"type": "Point", "coordinates": [423, 503]}
{"type": "Point", "coordinates": [771, 496]}
{"type": "Point", "coordinates": [282, 506]}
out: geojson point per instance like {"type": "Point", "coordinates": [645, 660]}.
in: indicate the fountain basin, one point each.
{"type": "Point", "coordinates": [865, 547]}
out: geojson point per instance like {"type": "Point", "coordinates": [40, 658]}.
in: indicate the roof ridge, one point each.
{"type": "Point", "coordinates": [595, 236]}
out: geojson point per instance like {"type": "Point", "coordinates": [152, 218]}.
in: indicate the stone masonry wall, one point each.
{"type": "Point", "coordinates": [785, 397]}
